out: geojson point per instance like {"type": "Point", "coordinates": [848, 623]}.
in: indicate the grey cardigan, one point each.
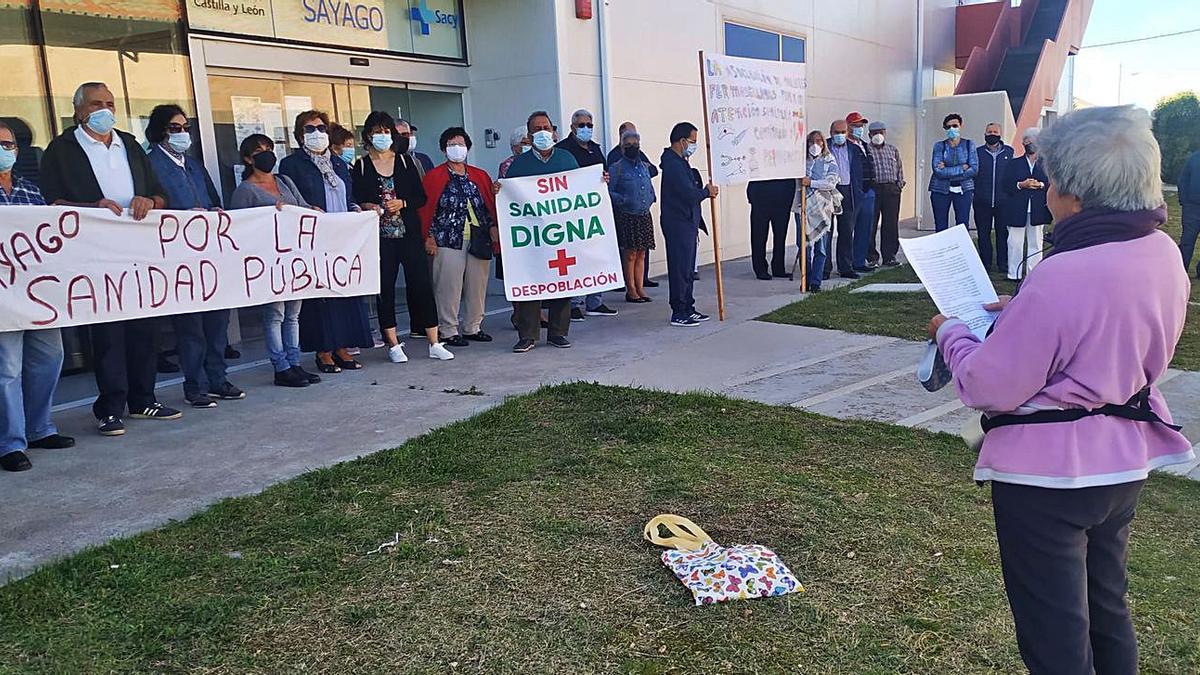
{"type": "Point", "coordinates": [248, 195]}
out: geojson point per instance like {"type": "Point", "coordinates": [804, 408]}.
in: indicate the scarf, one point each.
{"type": "Point", "coordinates": [325, 166]}
{"type": "Point", "coordinates": [1096, 226]}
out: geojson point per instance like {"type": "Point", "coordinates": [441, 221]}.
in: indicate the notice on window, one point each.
{"type": "Point", "coordinates": [953, 274]}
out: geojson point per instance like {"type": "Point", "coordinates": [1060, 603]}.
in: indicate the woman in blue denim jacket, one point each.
{"type": "Point", "coordinates": [632, 194]}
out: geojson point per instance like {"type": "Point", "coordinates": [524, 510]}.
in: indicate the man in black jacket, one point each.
{"type": "Point", "coordinates": [587, 153]}
{"type": "Point", "coordinates": [990, 192]}
{"type": "Point", "coordinates": [96, 166]}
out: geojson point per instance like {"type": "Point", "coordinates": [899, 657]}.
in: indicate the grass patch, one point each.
{"type": "Point", "coordinates": [905, 315]}
{"type": "Point", "coordinates": [519, 550]}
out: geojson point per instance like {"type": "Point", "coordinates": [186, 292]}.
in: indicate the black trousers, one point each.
{"type": "Point", "coordinates": [1063, 553]}
{"type": "Point", "coordinates": [527, 317]}
{"type": "Point", "coordinates": [125, 355]}
{"type": "Point", "coordinates": [845, 231]}
{"type": "Point", "coordinates": [987, 222]}
{"type": "Point", "coordinates": [887, 223]}
{"type": "Point", "coordinates": [681, 243]}
{"type": "Point", "coordinates": [774, 218]}
{"type": "Point", "coordinates": [409, 253]}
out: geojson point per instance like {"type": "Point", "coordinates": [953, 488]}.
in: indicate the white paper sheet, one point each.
{"type": "Point", "coordinates": [952, 272]}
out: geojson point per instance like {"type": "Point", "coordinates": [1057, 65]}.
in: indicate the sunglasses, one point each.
{"type": "Point", "coordinates": [179, 128]}
{"type": "Point", "coordinates": [310, 128]}
{"type": "Point", "coordinates": [585, 124]}
{"type": "Point", "coordinates": [8, 145]}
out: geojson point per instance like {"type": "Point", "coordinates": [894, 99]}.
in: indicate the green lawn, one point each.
{"type": "Point", "coordinates": [905, 315]}
{"type": "Point", "coordinates": [520, 552]}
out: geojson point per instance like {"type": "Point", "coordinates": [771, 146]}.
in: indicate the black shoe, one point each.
{"type": "Point", "coordinates": [864, 270]}
{"type": "Point", "coordinates": [650, 283]}
{"type": "Point", "coordinates": [523, 346]}
{"type": "Point", "coordinates": [576, 314]}
{"type": "Point", "coordinates": [346, 364]}
{"type": "Point", "coordinates": [228, 392]}
{"type": "Point", "coordinates": [231, 353]}
{"type": "Point", "coordinates": [559, 341]}
{"type": "Point", "coordinates": [891, 263]}
{"type": "Point", "coordinates": [290, 378]}
{"type": "Point", "coordinates": [647, 299]}
{"type": "Point", "coordinates": [479, 337]}
{"type": "Point", "coordinates": [455, 341]}
{"type": "Point", "coordinates": [312, 378]}
{"type": "Point", "coordinates": [15, 461]}
{"type": "Point", "coordinates": [700, 318]}
{"type": "Point", "coordinates": [155, 411]}
{"type": "Point", "coordinates": [781, 275]}
{"type": "Point", "coordinates": [602, 310]}
{"type": "Point", "coordinates": [166, 365]}
{"type": "Point", "coordinates": [850, 275]}
{"type": "Point", "coordinates": [685, 323]}
{"type": "Point", "coordinates": [632, 299]}
{"type": "Point", "coordinates": [762, 276]}
{"type": "Point", "coordinates": [111, 426]}
{"type": "Point", "coordinates": [200, 401]}
{"type": "Point", "coordinates": [53, 442]}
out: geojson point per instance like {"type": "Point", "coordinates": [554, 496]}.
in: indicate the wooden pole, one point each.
{"type": "Point", "coordinates": [803, 239]}
{"type": "Point", "coordinates": [712, 201]}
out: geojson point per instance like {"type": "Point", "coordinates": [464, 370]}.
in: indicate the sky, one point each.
{"type": "Point", "coordinates": [1146, 70]}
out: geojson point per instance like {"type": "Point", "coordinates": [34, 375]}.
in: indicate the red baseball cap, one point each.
{"type": "Point", "coordinates": [855, 118]}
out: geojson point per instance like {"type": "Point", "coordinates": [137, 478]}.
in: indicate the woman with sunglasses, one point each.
{"type": "Point", "coordinates": [328, 326]}
{"type": "Point", "coordinates": [952, 182]}
{"type": "Point", "coordinates": [387, 180]}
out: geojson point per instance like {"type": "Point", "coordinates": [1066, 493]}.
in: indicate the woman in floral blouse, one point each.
{"type": "Point", "coordinates": [459, 221]}
{"type": "Point", "coordinates": [386, 179]}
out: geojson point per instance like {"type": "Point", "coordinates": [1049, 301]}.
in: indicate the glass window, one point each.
{"type": "Point", "coordinates": [751, 43]}
{"type": "Point", "coordinates": [793, 49]}
{"type": "Point", "coordinates": [23, 98]}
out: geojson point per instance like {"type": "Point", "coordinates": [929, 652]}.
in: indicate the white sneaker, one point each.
{"type": "Point", "coordinates": [396, 354]}
{"type": "Point", "coordinates": [439, 352]}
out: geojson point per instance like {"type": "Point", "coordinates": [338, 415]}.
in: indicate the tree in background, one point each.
{"type": "Point", "coordinates": [1177, 129]}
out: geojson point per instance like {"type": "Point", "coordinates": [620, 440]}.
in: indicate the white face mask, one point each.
{"type": "Point", "coordinates": [412, 143]}
{"type": "Point", "coordinates": [877, 139]}
{"type": "Point", "coordinates": [456, 153]}
{"type": "Point", "coordinates": [814, 150]}
{"type": "Point", "coordinates": [316, 141]}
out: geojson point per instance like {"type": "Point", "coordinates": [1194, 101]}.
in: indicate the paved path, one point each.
{"type": "Point", "coordinates": [161, 471]}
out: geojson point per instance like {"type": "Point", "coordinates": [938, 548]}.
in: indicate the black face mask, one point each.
{"type": "Point", "coordinates": [1031, 148]}
{"type": "Point", "coordinates": [992, 139]}
{"type": "Point", "coordinates": [400, 145]}
{"type": "Point", "coordinates": [264, 161]}
{"type": "Point", "coordinates": [632, 151]}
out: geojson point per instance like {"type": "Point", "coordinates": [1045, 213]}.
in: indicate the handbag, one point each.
{"type": "Point", "coordinates": [714, 573]}
{"type": "Point", "coordinates": [480, 245]}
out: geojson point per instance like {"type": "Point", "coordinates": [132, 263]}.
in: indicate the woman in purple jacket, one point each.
{"type": "Point", "coordinates": [1066, 381]}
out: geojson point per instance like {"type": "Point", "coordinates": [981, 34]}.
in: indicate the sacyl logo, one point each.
{"type": "Point", "coordinates": [425, 16]}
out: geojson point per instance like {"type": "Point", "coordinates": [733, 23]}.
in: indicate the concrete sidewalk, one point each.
{"type": "Point", "coordinates": [161, 471]}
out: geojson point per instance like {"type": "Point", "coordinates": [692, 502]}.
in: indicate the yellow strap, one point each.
{"type": "Point", "coordinates": [471, 220]}
{"type": "Point", "coordinates": [684, 534]}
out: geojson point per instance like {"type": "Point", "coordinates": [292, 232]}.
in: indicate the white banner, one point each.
{"type": "Point", "coordinates": [557, 235]}
{"type": "Point", "coordinates": [66, 266]}
{"type": "Point", "coordinates": [755, 118]}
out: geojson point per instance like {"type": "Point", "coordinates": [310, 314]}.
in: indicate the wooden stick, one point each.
{"type": "Point", "coordinates": [803, 239]}
{"type": "Point", "coordinates": [712, 201]}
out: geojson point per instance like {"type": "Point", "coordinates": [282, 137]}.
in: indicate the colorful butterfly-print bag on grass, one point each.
{"type": "Point", "coordinates": [714, 573]}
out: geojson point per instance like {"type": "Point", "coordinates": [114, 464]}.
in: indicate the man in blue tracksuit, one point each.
{"type": "Point", "coordinates": [994, 155]}
{"type": "Point", "coordinates": [679, 217]}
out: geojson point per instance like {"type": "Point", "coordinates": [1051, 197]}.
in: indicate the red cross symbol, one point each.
{"type": "Point", "coordinates": [561, 262]}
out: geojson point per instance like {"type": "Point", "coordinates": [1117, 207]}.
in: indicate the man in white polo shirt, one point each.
{"type": "Point", "coordinates": [94, 165]}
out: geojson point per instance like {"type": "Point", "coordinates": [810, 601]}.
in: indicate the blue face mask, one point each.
{"type": "Point", "coordinates": [584, 134]}
{"type": "Point", "coordinates": [101, 121]}
{"type": "Point", "coordinates": [543, 140]}
{"type": "Point", "coordinates": [839, 139]}
{"type": "Point", "coordinates": [952, 133]}
{"type": "Point", "coordinates": [7, 159]}
{"type": "Point", "coordinates": [180, 142]}
{"type": "Point", "coordinates": [526, 148]}
{"type": "Point", "coordinates": [860, 133]}
{"type": "Point", "coordinates": [347, 155]}
{"type": "Point", "coordinates": [689, 149]}
{"type": "Point", "coordinates": [381, 142]}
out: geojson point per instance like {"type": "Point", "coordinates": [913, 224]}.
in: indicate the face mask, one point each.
{"type": "Point", "coordinates": [316, 141]}
{"type": "Point", "coordinates": [814, 150]}
{"type": "Point", "coordinates": [381, 142]}
{"type": "Point", "coordinates": [860, 133]}
{"type": "Point", "coordinates": [101, 121]}
{"type": "Point", "coordinates": [526, 148]}
{"type": "Point", "coordinates": [1031, 148]}
{"type": "Point", "coordinates": [412, 143]}
{"type": "Point", "coordinates": [952, 133]}
{"type": "Point", "coordinates": [347, 155]}
{"type": "Point", "coordinates": [456, 153]}
{"type": "Point", "coordinates": [584, 134]}
{"type": "Point", "coordinates": [839, 139]}
{"type": "Point", "coordinates": [264, 161]}
{"type": "Point", "coordinates": [632, 151]}
{"type": "Point", "coordinates": [401, 145]}
{"type": "Point", "coordinates": [689, 149]}
{"type": "Point", "coordinates": [543, 140]}
{"type": "Point", "coordinates": [877, 139]}
{"type": "Point", "coordinates": [992, 139]}
{"type": "Point", "coordinates": [7, 159]}
{"type": "Point", "coordinates": [180, 142]}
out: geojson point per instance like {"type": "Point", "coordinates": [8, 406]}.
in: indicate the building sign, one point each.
{"type": "Point", "coordinates": [428, 27]}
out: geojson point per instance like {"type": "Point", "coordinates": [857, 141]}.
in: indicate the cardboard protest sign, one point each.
{"type": "Point", "coordinates": [755, 118]}
{"type": "Point", "coordinates": [557, 235]}
{"type": "Point", "coordinates": [67, 266]}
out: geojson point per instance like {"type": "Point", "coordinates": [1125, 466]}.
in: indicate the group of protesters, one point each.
{"type": "Point", "coordinates": [438, 226]}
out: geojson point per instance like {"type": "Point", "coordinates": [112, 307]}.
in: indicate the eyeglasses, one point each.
{"type": "Point", "coordinates": [8, 145]}
{"type": "Point", "coordinates": [310, 128]}
{"type": "Point", "coordinates": [179, 128]}
{"type": "Point", "coordinates": [585, 124]}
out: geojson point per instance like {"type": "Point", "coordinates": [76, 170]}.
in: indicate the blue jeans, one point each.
{"type": "Point", "coordinates": [201, 338]}
{"type": "Point", "coordinates": [1191, 230]}
{"type": "Point", "coordinates": [30, 363]}
{"type": "Point", "coordinates": [941, 208]}
{"type": "Point", "coordinates": [864, 225]}
{"type": "Point", "coordinates": [589, 302]}
{"type": "Point", "coordinates": [281, 329]}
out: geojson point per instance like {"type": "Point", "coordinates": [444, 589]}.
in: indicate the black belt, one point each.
{"type": "Point", "coordinates": [1136, 409]}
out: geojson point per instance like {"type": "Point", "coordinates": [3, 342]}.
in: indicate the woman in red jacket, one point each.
{"type": "Point", "coordinates": [460, 226]}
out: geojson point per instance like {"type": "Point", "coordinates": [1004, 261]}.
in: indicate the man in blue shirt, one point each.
{"type": "Point", "coordinates": [679, 217]}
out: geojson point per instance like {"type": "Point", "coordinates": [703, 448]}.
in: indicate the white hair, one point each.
{"type": "Point", "coordinates": [81, 91]}
{"type": "Point", "coordinates": [517, 135]}
{"type": "Point", "coordinates": [1105, 157]}
{"type": "Point", "coordinates": [1031, 133]}
{"type": "Point", "coordinates": [582, 112]}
